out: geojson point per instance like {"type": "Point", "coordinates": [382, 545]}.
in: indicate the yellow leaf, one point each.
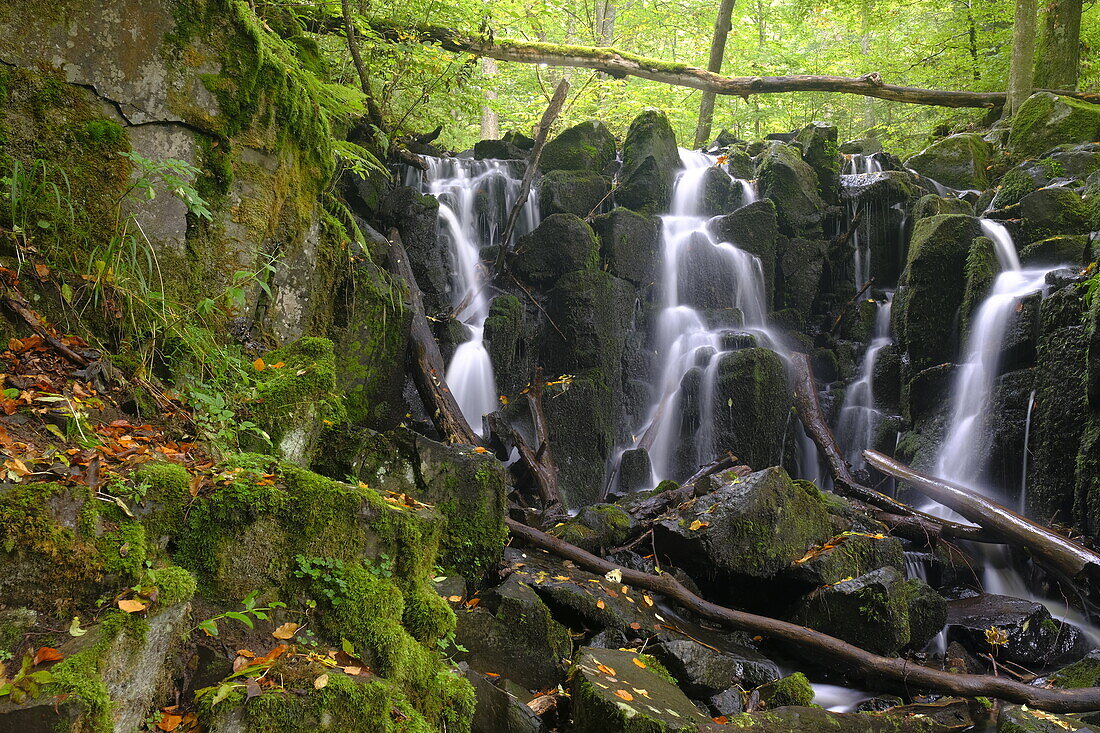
{"type": "Point", "coordinates": [609, 671]}
{"type": "Point", "coordinates": [648, 600]}
{"type": "Point", "coordinates": [615, 576]}
{"type": "Point", "coordinates": [601, 604]}
{"type": "Point", "coordinates": [697, 524]}
{"type": "Point", "coordinates": [353, 671]}
{"type": "Point", "coordinates": [624, 695]}
{"type": "Point", "coordinates": [503, 400]}
{"type": "Point", "coordinates": [562, 577]}
{"type": "Point", "coordinates": [131, 606]}
{"type": "Point", "coordinates": [259, 364]}
{"type": "Point", "coordinates": [320, 682]}
{"type": "Point", "coordinates": [454, 599]}
{"type": "Point", "coordinates": [479, 449]}
{"type": "Point", "coordinates": [286, 631]}
{"type": "Point", "coordinates": [639, 662]}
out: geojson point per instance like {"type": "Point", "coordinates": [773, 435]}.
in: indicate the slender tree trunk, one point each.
{"type": "Point", "coordinates": [1021, 67]}
{"type": "Point", "coordinates": [722, 28]}
{"type": "Point", "coordinates": [972, 40]}
{"type": "Point", "coordinates": [1060, 45]}
{"type": "Point", "coordinates": [605, 22]}
{"type": "Point", "coordinates": [490, 121]}
{"type": "Point", "coordinates": [865, 49]}
{"type": "Point", "coordinates": [374, 114]}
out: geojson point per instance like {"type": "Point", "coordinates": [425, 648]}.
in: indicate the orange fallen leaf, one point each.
{"type": "Point", "coordinates": [47, 654]}
{"type": "Point", "coordinates": [601, 604]}
{"type": "Point", "coordinates": [259, 365]}
{"type": "Point", "coordinates": [454, 599]}
{"type": "Point", "coordinates": [721, 720]}
{"type": "Point", "coordinates": [277, 365]}
{"type": "Point", "coordinates": [286, 631]}
{"type": "Point", "coordinates": [639, 662]}
{"type": "Point", "coordinates": [472, 603]}
{"type": "Point", "coordinates": [635, 625]}
{"type": "Point", "coordinates": [479, 449]}
{"type": "Point", "coordinates": [42, 271]}
{"type": "Point", "coordinates": [491, 674]}
{"type": "Point", "coordinates": [132, 606]}
{"type": "Point", "coordinates": [609, 671]}
{"type": "Point", "coordinates": [624, 695]}
{"type": "Point", "coordinates": [648, 600]}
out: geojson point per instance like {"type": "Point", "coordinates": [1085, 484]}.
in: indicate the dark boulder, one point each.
{"type": "Point", "coordinates": [792, 185]}
{"type": "Point", "coordinates": [650, 162]}
{"type": "Point", "coordinates": [752, 405]}
{"type": "Point", "coordinates": [560, 244]}
{"type": "Point", "coordinates": [958, 161]}
{"type": "Point", "coordinates": [589, 146]}
{"type": "Point", "coordinates": [754, 229]}
{"type": "Point", "coordinates": [1049, 212]}
{"type": "Point", "coordinates": [933, 205]}
{"type": "Point", "coordinates": [819, 149]}
{"type": "Point", "coordinates": [498, 150]}
{"type": "Point", "coordinates": [571, 192]}
{"type": "Point", "coordinates": [630, 243]}
{"type": "Point", "coordinates": [1061, 250]}
{"type": "Point", "coordinates": [507, 342]}
{"type": "Point", "coordinates": [415, 215]}
{"type": "Point", "coordinates": [702, 671]}
{"type": "Point", "coordinates": [635, 471]}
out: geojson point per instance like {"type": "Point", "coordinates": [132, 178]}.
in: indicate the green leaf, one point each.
{"type": "Point", "coordinates": [221, 694]}
{"type": "Point", "coordinates": [236, 616]}
{"type": "Point", "coordinates": [209, 626]}
{"type": "Point", "coordinates": [67, 293]}
{"type": "Point", "coordinates": [260, 615]}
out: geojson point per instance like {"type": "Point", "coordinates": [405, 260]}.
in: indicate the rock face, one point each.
{"type": "Point", "coordinates": [751, 403]}
{"type": "Point", "coordinates": [703, 672]}
{"type": "Point", "coordinates": [614, 692]}
{"type": "Point", "coordinates": [650, 162]}
{"type": "Point", "coordinates": [1035, 640]}
{"type": "Point", "coordinates": [571, 192]}
{"type": "Point", "coordinates": [630, 244]}
{"type": "Point", "coordinates": [754, 229]}
{"type": "Point", "coordinates": [588, 146]}
{"type": "Point", "coordinates": [958, 161]}
{"type": "Point", "coordinates": [793, 186]}
{"type": "Point", "coordinates": [1052, 211]}
{"type": "Point", "coordinates": [751, 527]}
{"type": "Point", "coordinates": [1046, 120]}
{"type": "Point", "coordinates": [562, 243]}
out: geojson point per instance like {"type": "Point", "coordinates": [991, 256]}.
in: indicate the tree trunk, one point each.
{"type": "Point", "coordinates": [1060, 45]}
{"type": "Point", "coordinates": [1064, 557]}
{"type": "Point", "coordinates": [1022, 64]}
{"type": "Point", "coordinates": [620, 64]}
{"type": "Point", "coordinates": [867, 665]}
{"type": "Point", "coordinates": [374, 114]}
{"type": "Point", "coordinates": [490, 121]}
{"type": "Point", "coordinates": [865, 49]}
{"type": "Point", "coordinates": [722, 28]}
{"type": "Point", "coordinates": [605, 22]}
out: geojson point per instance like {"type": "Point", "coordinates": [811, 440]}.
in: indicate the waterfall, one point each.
{"type": "Point", "coordinates": [475, 198]}
{"type": "Point", "coordinates": [684, 336]}
{"type": "Point", "coordinates": [858, 163]}
{"type": "Point", "coordinates": [858, 415]}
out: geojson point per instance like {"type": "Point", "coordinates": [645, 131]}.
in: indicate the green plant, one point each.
{"type": "Point", "coordinates": [32, 203]}
{"type": "Point", "coordinates": [217, 421]}
{"type": "Point", "coordinates": [177, 176]}
{"type": "Point", "coordinates": [250, 611]}
{"type": "Point", "coordinates": [26, 683]}
{"type": "Point", "coordinates": [326, 575]}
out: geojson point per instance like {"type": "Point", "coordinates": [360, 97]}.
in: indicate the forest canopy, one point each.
{"type": "Point", "coordinates": [954, 45]}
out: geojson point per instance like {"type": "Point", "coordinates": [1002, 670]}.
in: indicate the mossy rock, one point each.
{"type": "Point", "coordinates": [850, 557]}
{"type": "Point", "coordinates": [793, 689]}
{"type": "Point", "coordinates": [599, 526]}
{"type": "Point", "coordinates": [746, 527]}
{"type": "Point", "coordinates": [508, 342]}
{"type": "Point", "coordinates": [498, 150]}
{"type": "Point", "coordinates": [561, 243]}
{"type": "Point", "coordinates": [571, 192]}
{"type": "Point", "coordinates": [630, 244]}
{"type": "Point", "coordinates": [933, 205]}
{"type": "Point", "coordinates": [589, 146]}
{"type": "Point", "coordinates": [1083, 673]}
{"type": "Point", "coordinates": [869, 611]}
{"type": "Point", "coordinates": [982, 268]}
{"type": "Point", "coordinates": [1021, 719]}
{"type": "Point", "coordinates": [792, 185]}
{"type": "Point", "coordinates": [1046, 120]}
{"type": "Point", "coordinates": [720, 194]}
{"type": "Point", "coordinates": [751, 405]}
{"type": "Point", "coordinates": [1066, 250]}
{"type": "Point", "coordinates": [957, 161]}
{"type": "Point", "coordinates": [818, 141]}
{"type": "Point", "coordinates": [1015, 184]}
{"type": "Point", "coordinates": [606, 687]}
{"type": "Point", "coordinates": [1050, 212]}
{"type": "Point", "coordinates": [650, 162]}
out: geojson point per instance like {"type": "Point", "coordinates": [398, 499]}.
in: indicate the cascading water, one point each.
{"type": "Point", "coordinates": [475, 198]}
{"type": "Point", "coordinates": [858, 163]}
{"type": "Point", "coordinates": [858, 415]}
{"type": "Point", "coordinates": [684, 337]}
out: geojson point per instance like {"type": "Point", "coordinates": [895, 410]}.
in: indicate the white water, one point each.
{"type": "Point", "coordinates": [459, 184]}
{"type": "Point", "coordinates": [683, 336]}
{"type": "Point", "coordinates": [858, 163]}
{"type": "Point", "coordinates": [858, 415]}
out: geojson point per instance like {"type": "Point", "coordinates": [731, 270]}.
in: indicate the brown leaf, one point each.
{"type": "Point", "coordinates": [601, 604]}
{"type": "Point", "coordinates": [169, 721]}
{"type": "Point", "coordinates": [353, 671]}
{"type": "Point", "coordinates": [320, 682]}
{"type": "Point", "coordinates": [624, 695]}
{"type": "Point", "coordinates": [252, 688]}
{"type": "Point", "coordinates": [132, 606]}
{"type": "Point", "coordinates": [47, 654]}
{"type": "Point", "coordinates": [42, 271]}
{"type": "Point", "coordinates": [286, 631]}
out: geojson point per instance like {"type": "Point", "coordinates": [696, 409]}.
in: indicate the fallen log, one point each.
{"type": "Point", "coordinates": [920, 524]}
{"type": "Point", "coordinates": [429, 371]}
{"type": "Point", "coordinates": [658, 504]}
{"type": "Point", "coordinates": [13, 298]}
{"type": "Point", "coordinates": [619, 64]}
{"type": "Point", "coordinates": [541, 135]}
{"type": "Point", "coordinates": [1061, 555]}
{"type": "Point", "coordinates": [864, 663]}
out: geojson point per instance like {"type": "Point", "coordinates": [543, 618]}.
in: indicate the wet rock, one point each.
{"type": "Point", "coordinates": [1082, 673]}
{"type": "Point", "coordinates": [589, 146]}
{"type": "Point", "coordinates": [751, 404]}
{"type": "Point", "coordinates": [512, 633]}
{"type": "Point", "coordinates": [982, 269]}
{"type": "Point", "coordinates": [924, 319]}
{"type": "Point", "coordinates": [703, 672]}
{"type": "Point", "coordinates": [720, 193]}
{"type": "Point", "coordinates": [507, 342]}
{"type": "Point", "coordinates": [1055, 251]}
{"type": "Point", "coordinates": [739, 164]}
{"type": "Point", "coordinates": [571, 192]}
{"type": "Point", "coordinates": [801, 265]}
{"type": "Point", "coordinates": [635, 471]}
{"type": "Point", "coordinates": [933, 205]}
{"type": "Point", "coordinates": [727, 702]}
{"type": "Point", "coordinates": [876, 611]}
{"type": "Point", "coordinates": [1052, 211]}
{"type": "Point", "coordinates": [596, 527]}
{"type": "Point", "coordinates": [561, 243]}
{"type": "Point", "coordinates": [650, 162]}
{"type": "Point", "coordinates": [521, 141]}
{"type": "Point", "coordinates": [819, 149]}
{"type": "Point", "coordinates": [754, 229]}
{"type": "Point", "coordinates": [957, 161]}
{"type": "Point", "coordinates": [862, 146]}
{"type": "Point", "coordinates": [630, 243]}
{"type": "Point", "coordinates": [850, 557]}
{"type": "Point", "coordinates": [584, 420]}
{"type": "Point", "coordinates": [792, 185]}
{"type": "Point", "coordinates": [415, 216]}
{"type": "Point", "coordinates": [1046, 120]}
{"type": "Point", "coordinates": [708, 275]}
{"type": "Point", "coordinates": [755, 526]}
{"type": "Point", "coordinates": [793, 689]}
{"type": "Point", "coordinates": [886, 380]}
{"type": "Point", "coordinates": [498, 150]}
{"type": "Point", "coordinates": [1035, 640]}
{"type": "Point", "coordinates": [1020, 719]}
{"type": "Point", "coordinates": [500, 711]}
{"type": "Point", "coordinates": [880, 703]}
{"type": "Point", "coordinates": [611, 693]}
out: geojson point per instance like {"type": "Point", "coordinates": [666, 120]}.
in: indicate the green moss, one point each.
{"type": "Point", "coordinates": [1014, 186]}
{"type": "Point", "coordinates": [1046, 120]}
{"type": "Point", "coordinates": [981, 270]}
{"type": "Point", "coordinates": [174, 585]}
{"type": "Point", "coordinates": [654, 665]}
{"type": "Point", "coordinates": [169, 488]}
{"type": "Point", "coordinates": [124, 551]}
{"type": "Point", "coordinates": [793, 689]}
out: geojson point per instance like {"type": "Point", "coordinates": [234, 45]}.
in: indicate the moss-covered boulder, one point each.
{"type": "Point", "coordinates": [1082, 673]}
{"type": "Point", "coordinates": [793, 689]}
{"type": "Point", "coordinates": [583, 416]}
{"type": "Point", "coordinates": [498, 150]}
{"type": "Point", "coordinates": [512, 633]}
{"type": "Point", "coordinates": [1021, 719]}
{"type": "Point", "coordinates": [751, 405]}
{"type": "Point", "coordinates": [1065, 250]}
{"type": "Point", "coordinates": [849, 555]}
{"type": "Point", "coordinates": [720, 194]}
{"type": "Point", "coordinates": [924, 315]}
{"type": "Point", "coordinates": [561, 243]}
{"type": "Point", "coordinates": [904, 719]}
{"type": "Point", "coordinates": [599, 526]}
{"type": "Point", "coordinates": [933, 205]}
{"type": "Point", "coordinates": [957, 161]}
{"type": "Point", "coordinates": [874, 611]}
{"type": "Point", "coordinates": [614, 692]}
{"type": "Point", "coordinates": [799, 274]}
{"type": "Point", "coordinates": [1049, 212]}
{"type": "Point", "coordinates": [630, 244]}
{"type": "Point", "coordinates": [1046, 120]}
{"type": "Point", "coordinates": [754, 229]}
{"type": "Point", "coordinates": [507, 341]}
{"type": "Point", "coordinates": [792, 185]}
{"type": "Point", "coordinates": [746, 527]}
{"type": "Point", "coordinates": [650, 162]}
{"type": "Point", "coordinates": [589, 146]}
{"type": "Point", "coordinates": [416, 216]}
{"type": "Point", "coordinates": [818, 141]}
{"type": "Point", "coordinates": [982, 268]}
{"type": "Point", "coordinates": [571, 192]}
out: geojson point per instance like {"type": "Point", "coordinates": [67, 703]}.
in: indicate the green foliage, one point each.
{"type": "Point", "coordinates": [26, 683]}
{"type": "Point", "coordinates": [325, 576]}
{"type": "Point", "coordinates": [34, 199]}
{"type": "Point", "coordinates": [249, 613]}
